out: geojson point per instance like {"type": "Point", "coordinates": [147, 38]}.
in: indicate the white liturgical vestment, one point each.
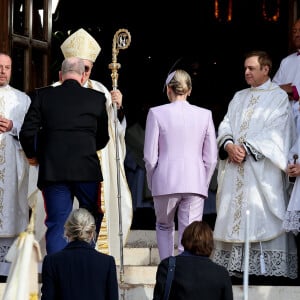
{"type": "Point", "coordinates": [292, 215]}
{"type": "Point", "coordinates": [261, 119]}
{"type": "Point", "coordinates": [14, 209]}
{"type": "Point", "coordinates": [289, 72]}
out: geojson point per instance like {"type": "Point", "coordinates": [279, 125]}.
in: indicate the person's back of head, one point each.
{"type": "Point", "coordinates": [197, 238]}
{"type": "Point", "coordinates": [180, 82]}
{"type": "Point", "coordinates": [72, 68]}
{"type": "Point", "coordinates": [80, 225]}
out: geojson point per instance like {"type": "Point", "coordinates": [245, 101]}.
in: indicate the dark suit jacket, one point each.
{"type": "Point", "coordinates": [79, 272]}
{"type": "Point", "coordinates": [64, 127]}
{"type": "Point", "coordinates": [195, 277]}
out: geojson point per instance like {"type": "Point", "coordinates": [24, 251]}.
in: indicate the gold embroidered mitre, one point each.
{"type": "Point", "coordinates": [81, 44]}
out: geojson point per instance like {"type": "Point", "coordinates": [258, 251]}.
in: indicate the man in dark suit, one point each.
{"type": "Point", "coordinates": [63, 129]}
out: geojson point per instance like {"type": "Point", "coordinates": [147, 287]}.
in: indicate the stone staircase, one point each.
{"type": "Point", "coordinates": [141, 258]}
{"type": "Point", "coordinates": [140, 263]}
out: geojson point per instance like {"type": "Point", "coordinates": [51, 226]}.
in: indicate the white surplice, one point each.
{"type": "Point", "coordinates": [14, 209]}
{"type": "Point", "coordinates": [289, 72]}
{"type": "Point", "coordinates": [292, 216]}
{"type": "Point", "coordinates": [260, 118]}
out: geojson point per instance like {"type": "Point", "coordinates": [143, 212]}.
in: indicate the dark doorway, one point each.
{"type": "Point", "coordinates": [209, 46]}
{"type": "Point", "coordinates": [196, 36]}
{"type": "Point", "coordinates": [208, 42]}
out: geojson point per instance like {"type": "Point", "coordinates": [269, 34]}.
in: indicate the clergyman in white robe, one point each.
{"type": "Point", "coordinates": [289, 73]}
{"type": "Point", "coordinates": [14, 209]}
{"type": "Point", "coordinates": [292, 216]}
{"type": "Point", "coordinates": [261, 119]}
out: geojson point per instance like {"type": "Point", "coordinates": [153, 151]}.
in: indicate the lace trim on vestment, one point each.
{"type": "Point", "coordinates": [292, 222]}
{"type": "Point", "coordinates": [3, 252]}
{"type": "Point", "coordinates": [277, 263]}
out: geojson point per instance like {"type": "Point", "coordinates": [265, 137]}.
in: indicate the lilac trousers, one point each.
{"type": "Point", "coordinates": [190, 208]}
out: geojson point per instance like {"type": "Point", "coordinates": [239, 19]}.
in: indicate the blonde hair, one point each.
{"type": "Point", "coordinates": [180, 82]}
{"type": "Point", "coordinates": [80, 225]}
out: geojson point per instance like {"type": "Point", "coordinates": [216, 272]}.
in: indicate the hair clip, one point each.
{"type": "Point", "coordinates": [170, 77]}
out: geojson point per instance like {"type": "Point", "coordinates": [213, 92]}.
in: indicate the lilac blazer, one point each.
{"type": "Point", "coordinates": [180, 149]}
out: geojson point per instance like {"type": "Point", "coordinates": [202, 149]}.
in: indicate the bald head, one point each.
{"type": "Point", "coordinates": [72, 68]}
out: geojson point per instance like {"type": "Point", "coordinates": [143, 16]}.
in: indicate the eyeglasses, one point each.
{"type": "Point", "coordinates": [86, 69]}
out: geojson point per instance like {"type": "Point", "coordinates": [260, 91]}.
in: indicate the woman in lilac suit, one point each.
{"type": "Point", "coordinates": [180, 154]}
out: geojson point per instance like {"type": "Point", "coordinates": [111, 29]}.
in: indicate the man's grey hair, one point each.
{"type": "Point", "coordinates": [72, 64]}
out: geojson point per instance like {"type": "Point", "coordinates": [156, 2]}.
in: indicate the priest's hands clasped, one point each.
{"type": "Point", "coordinates": [236, 153]}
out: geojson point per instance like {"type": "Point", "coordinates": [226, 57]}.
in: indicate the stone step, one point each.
{"type": "Point", "coordinates": [145, 292]}
{"type": "Point", "coordinates": [141, 248]}
{"type": "Point", "coordinates": [138, 284]}
{"type": "Point", "coordinates": [140, 264]}
{"type": "Point", "coordinates": [142, 239]}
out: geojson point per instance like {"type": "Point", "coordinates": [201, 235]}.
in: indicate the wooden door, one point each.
{"type": "Point", "coordinates": [26, 35]}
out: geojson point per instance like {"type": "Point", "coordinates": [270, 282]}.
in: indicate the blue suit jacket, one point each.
{"type": "Point", "coordinates": [79, 272]}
